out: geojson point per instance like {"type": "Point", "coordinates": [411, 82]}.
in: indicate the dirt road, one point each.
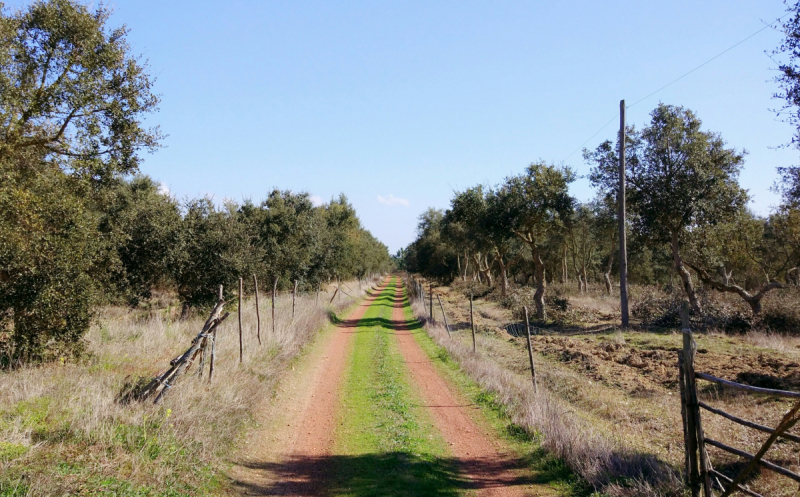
{"type": "Point", "coordinates": [292, 453]}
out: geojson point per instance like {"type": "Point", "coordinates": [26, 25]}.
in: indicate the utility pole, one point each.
{"type": "Point", "coordinates": [623, 244]}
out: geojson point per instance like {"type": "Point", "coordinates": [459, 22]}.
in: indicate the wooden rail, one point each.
{"type": "Point", "coordinates": [748, 388]}
{"type": "Point", "coordinates": [740, 488]}
{"type": "Point", "coordinates": [749, 424]}
{"type": "Point", "coordinates": [769, 465]}
{"type": "Point", "coordinates": [695, 441]}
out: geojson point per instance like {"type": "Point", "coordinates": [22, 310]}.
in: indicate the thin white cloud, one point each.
{"type": "Point", "coordinates": [316, 200]}
{"type": "Point", "coordinates": [392, 200]}
{"type": "Point", "coordinates": [163, 189]}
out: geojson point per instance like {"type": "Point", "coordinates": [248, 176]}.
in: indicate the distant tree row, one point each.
{"type": "Point", "coordinates": [687, 214]}
{"type": "Point", "coordinates": [78, 228]}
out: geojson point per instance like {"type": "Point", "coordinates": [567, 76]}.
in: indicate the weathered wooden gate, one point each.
{"type": "Point", "coordinates": [698, 467]}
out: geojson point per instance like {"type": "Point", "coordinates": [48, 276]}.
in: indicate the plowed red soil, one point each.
{"type": "Point", "coordinates": [482, 458]}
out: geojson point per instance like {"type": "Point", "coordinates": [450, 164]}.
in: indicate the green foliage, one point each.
{"type": "Point", "coordinates": [147, 227]}
{"type": "Point", "coordinates": [71, 102]}
{"type": "Point", "coordinates": [10, 450]}
{"type": "Point", "coordinates": [71, 90]}
{"type": "Point", "coordinates": [52, 259]}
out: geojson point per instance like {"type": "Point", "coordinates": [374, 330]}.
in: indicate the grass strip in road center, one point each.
{"type": "Point", "coordinates": [386, 444]}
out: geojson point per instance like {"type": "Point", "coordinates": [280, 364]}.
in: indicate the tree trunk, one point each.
{"type": "Point", "coordinates": [607, 274]}
{"type": "Point", "coordinates": [686, 278]}
{"type": "Point", "coordinates": [585, 280]}
{"type": "Point", "coordinates": [503, 278]}
{"type": "Point", "coordinates": [753, 300]}
{"type": "Point", "coordinates": [538, 297]}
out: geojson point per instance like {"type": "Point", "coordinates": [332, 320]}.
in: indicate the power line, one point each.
{"type": "Point", "coordinates": [678, 79]}
{"type": "Point", "coordinates": [589, 139]}
{"type": "Point", "coordinates": [708, 61]}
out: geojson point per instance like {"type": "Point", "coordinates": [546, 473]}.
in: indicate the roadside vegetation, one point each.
{"type": "Point", "coordinates": [105, 276]}
{"type": "Point", "coordinates": [67, 428]}
{"type": "Point", "coordinates": [608, 405]}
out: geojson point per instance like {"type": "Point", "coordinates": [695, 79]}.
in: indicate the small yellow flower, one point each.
{"type": "Point", "coordinates": [169, 412]}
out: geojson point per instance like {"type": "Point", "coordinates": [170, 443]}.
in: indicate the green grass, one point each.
{"type": "Point", "coordinates": [545, 468]}
{"type": "Point", "coordinates": [388, 446]}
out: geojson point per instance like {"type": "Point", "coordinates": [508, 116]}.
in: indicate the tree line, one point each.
{"type": "Point", "coordinates": [688, 215]}
{"type": "Point", "coordinates": [79, 227]}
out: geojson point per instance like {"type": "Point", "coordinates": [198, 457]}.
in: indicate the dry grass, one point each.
{"type": "Point", "coordinates": [62, 429]}
{"type": "Point", "coordinates": [620, 387]}
{"type": "Point", "coordinates": [564, 433]}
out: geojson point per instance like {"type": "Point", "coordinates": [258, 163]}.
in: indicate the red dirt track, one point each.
{"type": "Point", "coordinates": [483, 461]}
{"type": "Point", "coordinates": [293, 462]}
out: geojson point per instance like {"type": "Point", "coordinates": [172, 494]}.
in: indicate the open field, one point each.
{"type": "Point", "coordinates": [619, 389]}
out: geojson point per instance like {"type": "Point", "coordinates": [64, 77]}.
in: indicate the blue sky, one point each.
{"type": "Point", "coordinates": [399, 103]}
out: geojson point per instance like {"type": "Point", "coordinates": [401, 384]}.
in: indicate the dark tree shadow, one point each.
{"type": "Point", "coordinates": [389, 474]}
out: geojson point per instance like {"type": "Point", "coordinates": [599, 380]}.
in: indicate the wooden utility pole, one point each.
{"type": "Point", "coordinates": [241, 345]}
{"type": "Point", "coordinates": [530, 352]}
{"type": "Point", "coordinates": [446, 326]}
{"type": "Point", "coordinates": [258, 314]}
{"type": "Point", "coordinates": [274, 291]}
{"type": "Point", "coordinates": [294, 298]}
{"type": "Point", "coordinates": [623, 245]}
{"type": "Point", "coordinates": [472, 323]}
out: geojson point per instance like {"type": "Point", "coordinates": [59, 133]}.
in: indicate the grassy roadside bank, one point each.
{"type": "Point", "coordinates": [547, 469]}
{"type": "Point", "coordinates": [387, 443]}
{"type": "Point", "coordinates": [64, 432]}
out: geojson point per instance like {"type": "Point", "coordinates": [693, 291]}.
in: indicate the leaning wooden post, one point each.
{"type": "Point", "coordinates": [334, 295]}
{"type": "Point", "coordinates": [472, 323]}
{"type": "Point", "coordinates": [274, 291]}
{"type": "Point", "coordinates": [294, 298]}
{"type": "Point", "coordinates": [692, 409]}
{"type": "Point", "coordinates": [446, 326]}
{"type": "Point", "coordinates": [530, 351]}
{"type": "Point", "coordinates": [258, 314]}
{"type": "Point", "coordinates": [241, 344]}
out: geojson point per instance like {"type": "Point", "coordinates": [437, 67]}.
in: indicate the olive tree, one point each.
{"type": "Point", "coordinates": [537, 202]}
{"type": "Point", "coordinates": [679, 178]}
{"type": "Point", "coordinates": [72, 102]}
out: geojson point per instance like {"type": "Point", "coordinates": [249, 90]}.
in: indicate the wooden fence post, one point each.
{"type": "Point", "coordinates": [472, 323]}
{"type": "Point", "coordinates": [241, 344]}
{"type": "Point", "coordinates": [430, 297]}
{"type": "Point", "coordinates": [214, 342]}
{"type": "Point", "coordinates": [274, 291]}
{"type": "Point", "coordinates": [446, 326]}
{"type": "Point", "coordinates": [692, 409]}
{"type": "Point", "coordinates": [319, 287]}
{"type": "Point", "coordinates": [294, 298]}
{"type": "Point", "coordinates": [530, 351]}
{"type": "Point", "coordinates": [258, 314]}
